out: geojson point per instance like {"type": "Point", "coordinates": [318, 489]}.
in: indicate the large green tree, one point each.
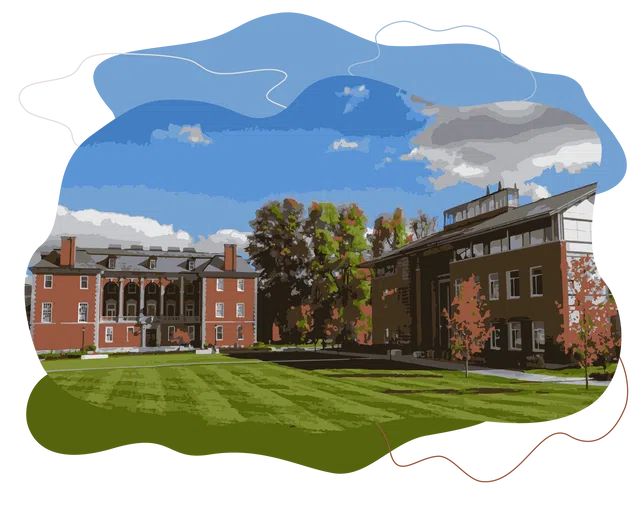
{"type": "Point", "coordinates": [278, 248]}
{"type": "Point", "coordinates": [389, 233]}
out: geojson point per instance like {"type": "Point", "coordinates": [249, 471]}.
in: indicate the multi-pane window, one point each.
{"type": "Point", "coordinates": [83, 312]}
{"type": "Point", "coordinates": [48, 281]}
{"type": "Point", "coordinates": [191, 265]}
{"type": "Point", "coordinates": [112, 263]}
{"type": "Point", "coordinates": [515, 336]}
{"type": "Point", "coordinates": [538, 336]}
{"type": "Point", "coordinates": [131, 309]}
{"type": "Point", "coordinates": [131, 288]}
{"type": "Point", "coordinates": [240, 285]}
{"type": "Point", "coordinates": [47, 312]}
{"type": "Point", "coordinates": [495, 246]}
{"type": "Point", "coordinates": [537, 237]}
{"type": "Point", "coordinates": [220, 284]}
{"type": "Point", "coordinates": [478, 249]}
{"type": "Point", "coordinates": [151, 288]}
{"type": "Point", "coordinates": [505, 244]}
{"type": "Point", "coordinates": [111, 308]}
{"type": "Point", "coordinates": [513, 284]}
{"type": "Point", "coordinates": [151, 309]}
{"type": "Point", "coordinates": [108, 334]}
{"type": "Point", "coordinates": [536, 281]}
{"type": "Point", "coordinates": [219, 309]}
{"type": "Point", "coordinates": [191, 331]}
{"type": "Point", "coordinates": [494, 287]}
{"type": "Point", "coordinates": [457, 287]}
{"type": "Point", "coordinates": [130, 333]}
{"type": "Point", "coordinates": [240, 332]}
{"type": "Point", "coordinates": [239, 310]}
{"type": "Point", "coordinates": [84, 282]}
{"type": "Point", "coordinates": [190, 309]}
{"type": "Point", "coordinates": [218, 333]}
{"type": "Point", "coordinates": [152, 264]}
{"type": "Point", "coordinates": [171, 331]}
{"type": "Point", "coordinates": [495, 338]}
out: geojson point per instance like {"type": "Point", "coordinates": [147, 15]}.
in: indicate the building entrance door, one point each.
{"type": "Point", "coordinates": [444, 302]}
{"type": "Point", "coordinates": [152, 338]}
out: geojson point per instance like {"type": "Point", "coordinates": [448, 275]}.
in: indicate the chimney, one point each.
{"type": "Point", "coordinates": [230, 252]}
{"type": "Point", "coordinates": [68, 251]}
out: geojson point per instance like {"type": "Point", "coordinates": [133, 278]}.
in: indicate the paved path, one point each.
{"type": "Point", "coordinates": [449, 365]}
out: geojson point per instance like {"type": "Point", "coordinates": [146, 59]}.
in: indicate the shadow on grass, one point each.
{"type": "Point", "coordinates": [65, 424]}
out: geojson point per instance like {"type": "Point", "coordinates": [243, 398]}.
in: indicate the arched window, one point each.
{"type": "Point", "coordinates": [132, 308]}
{"type": "Point", "coordinates": [151, 309]}
{"type": "Point", "coordinates": [111, 307]}
{"type": "Point", "coordinates": [131, 288]}
{"type": "Point", "coordinates": [151, 288]}
{"type": "Point", "coordinates": [111, 287]}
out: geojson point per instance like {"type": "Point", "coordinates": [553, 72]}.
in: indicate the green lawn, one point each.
{"type": "Point", "coordinates": [576, 372]}
{"type": "Point", "coordinates": [323, 418]}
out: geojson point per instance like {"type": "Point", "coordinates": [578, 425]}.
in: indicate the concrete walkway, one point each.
{"type": "Point", "coordinates": [449, 365]}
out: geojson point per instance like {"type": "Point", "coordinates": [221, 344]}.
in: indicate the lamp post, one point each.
{"type": "Point", "coordinates": [82, 338]}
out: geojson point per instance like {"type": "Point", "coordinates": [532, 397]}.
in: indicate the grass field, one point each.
{"type": "Point", "coordinates": [575, 372]}
{"type": "Point", "coordinates": [324, 418]}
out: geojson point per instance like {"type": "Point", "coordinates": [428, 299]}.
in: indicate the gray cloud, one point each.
{"type": "Point", "coordinates": [512, 142]}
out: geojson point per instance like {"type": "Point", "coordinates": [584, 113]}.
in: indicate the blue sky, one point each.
{"type": "Point", "coordinates": [203, 152]}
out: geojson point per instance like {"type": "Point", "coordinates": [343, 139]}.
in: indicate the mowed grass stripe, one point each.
{"type": "Point", "coordinates": [261, 404]}
{"type": "Point", "coordinates": [318, 395]}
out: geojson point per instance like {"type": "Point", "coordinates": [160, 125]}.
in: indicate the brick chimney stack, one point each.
{"type": "Point", "coordinates": [68, 251]}
{"type": "Point", "coordinates": [230, 253]}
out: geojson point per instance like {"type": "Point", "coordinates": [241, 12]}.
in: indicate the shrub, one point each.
{"type": "Point", "coordinates": [535, 361]}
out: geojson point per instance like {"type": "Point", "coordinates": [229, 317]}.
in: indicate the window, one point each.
{"type": "Point", "coordinates": [240, 332]}
{"type": "Point", "coordinates": [495, 246]}
{"type": "Point", "coordinates": [152, 264]}
{"type": "Point", "coordinates": [240, 285]}
{"type": "Point", "coordinates": [513, 284]}
{"type": "Point", "coordinates": [189, 289]}
{"type": "Point", "coordinates": [219, 310]}
{"type": "Point", "coordinates": [538, 336]}
{"type": "Point", "coordinates": [515, 336]}
{"type": "Point", "coordinates": [515, 241]}
{"type": "Point", "coordinates": [239, 310]}
{"type": "Point", "coordinates": [131, 288]}
{"type": "Point", "coordinates": [151, 288]}
{"type": "Point", "coordinates": [84, 282]}
{"type": "Point", "coordinates": [83, 312]}
{"type": "Point", "coordinates": [537, 237]}
{"type": "Point", "coordinates": [220, 284]}
{"type": "Point", "coordinates": [526, 239]}
{"type": "Point", "coordinates": [494, 287]}
{"type": "Point", "coordinates": [111, 308]}
{"type": "Point", "coordinates": [495, 338]}
{"type": "Point", "coordinates": [505, 244]}
{"type": "Point", "coordinates": [111, 264]}
{"type": "Point", "coordinates": [218, 333]}
{"type": "Point", "coordinates": [131, 309]}
{"type": "Point", "coordinates": [171, 330]}
{"type": "Point", "coordinates": [151, 309]}
{"type": "Point", "coordinates": [457, 287]}
{"type": "Point", "coordinates": [48, 281]}
{"type": "Point", "coordinates": [536, 281]}
{"type": "Point", "coordinates": [191, 265]}
{"type": "Point", "coordinates": [171, 309]}
{"type": "Point", "coordinates": [191, 331]}
{"type": "Point", "coordinates": [190, 309]}
{"type": "Point", "coordinates": [108, 334]}
{"type": "Point", "coordinates": [47, 312]}
{"type": "Point", "coordinates": [478, 249]}
{"type": "Point", "coordinates": [130, 333]}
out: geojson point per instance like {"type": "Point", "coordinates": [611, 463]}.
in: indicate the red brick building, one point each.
{"type": "Point", "coordinates": [135, 298]}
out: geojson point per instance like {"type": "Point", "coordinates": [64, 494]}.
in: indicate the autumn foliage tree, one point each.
{"type": "Point", "coordinates": [180, 337]}
{"type": "Point", "coordinates": [468, 321]}
{"type": "Point", "coordinates": [389, 233]}
{"type": "Point", "coordinates": [588, 334]}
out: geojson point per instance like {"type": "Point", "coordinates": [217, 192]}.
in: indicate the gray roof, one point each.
{"type": "Point", "coordinates": [526, 213]}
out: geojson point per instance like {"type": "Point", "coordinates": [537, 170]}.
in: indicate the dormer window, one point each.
{"type": "Point", "coordinates": [111, 263]}
{"type": "Point", "coordinates": [152, 264]}
{"type": "Point", "coordinates": [191, 265]}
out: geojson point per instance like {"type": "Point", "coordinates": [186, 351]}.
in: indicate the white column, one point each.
{"type": "Point", "coordinates": [162, 300]}
{"type": "Point", "coordinates": [141, 296]}
{"type": "Point", "coordinates": [121, 300]}
{"type": "Point", "coordinates": [181, 296]}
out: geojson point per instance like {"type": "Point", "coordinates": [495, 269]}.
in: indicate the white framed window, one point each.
{"type": "Point", "coordinates": [537, 329]}
{"type": "Point", "coordinates": [240, 310]}
{"type": "Point", "coordinates": [240, 285]}
{"type": "Point", "coordinates": [108, 334]}
{"type": "Point", "coordinates": [240, 332]}
{"type": "Point", "coordinates": [536, 281]}
{"type": "Point", "coordinates": [83, 312]}
{"type": "Point", "coordinates": [131, 288]}
{"type": "Point", "coordinates": [111, 308]}
{"type": "Point", "coordinates": [191, 331]}
{"type": "Point", "coordinates": [152, 264]}
{"type": "Point", "coordinates": [495, 338]}
{"type": "Point", "coordinates": [47, 312]}
{"type": "Point", "coordinates": [151, 288]}
{"type": "Point", "coordinates": [220, 284]}
{"type": "Point", "coordinates": [494, 286]}
{"type": "Point", "coordinates": [515, 336]}
{"type": "Point", "coordinates": [171, 330]}
{"type": "Point", "coordinates": [84, 282]}
{"type": "Point", "coordinates": [219, 309]}
{"type": "Point", "coordinates": [191, 265]}
{"type": "Point", "coordinates": [132, 309]}
{"type": "Point", "coordinates": [189, 289]}
{"type": "Point", "coordinates": [130, 333]}
{"type": "Point", "coordinates": [189, 309]}
{"type": "Point", "coordinates": [48, 281]}
{"type": "Point", "coordinates": [111, 264]}
{"type": "Point", "coordinates": [513, 284]}
{"type": "Point", "coordinates": [151, 309]}
{"type": "Point", "coordinates": [495, 246]}
{"type": "Point", "coordinates": [218, 333]}
{"type": "Point", "coordinates": [457, 285]}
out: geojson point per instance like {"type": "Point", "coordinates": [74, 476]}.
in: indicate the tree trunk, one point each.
{"type": "Point", "coordinates": [466, 366]}
{"type": "Point", "coordinates": [586, 375]}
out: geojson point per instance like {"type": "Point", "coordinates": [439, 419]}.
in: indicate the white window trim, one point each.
{"type": "Point", "coordinates": [84, 287]}
{"type": "Point", "coordinates": [219, 304]}
{"type": "Point", "coordinates": [50, 313]}
{"type": "Point", "coordinates": [130, 302]}
{"type": "Point", "coordinates": [497, 274]}
{"type": "Point", "coordinates": [533, 338]}
{"type": "Point", "coordinates": [115, 307]}
{"type": "Point", "coordinates": [495, 336]}
{"type": "Point", "coordinates": [191, 265]}
{"type": "Point", "coordinates": [221, 333]}
{"type": "Point", "coordinates": [111, 263]}
{"type": "Point", "coordinates": [219, 284]}
{"type": "Point", "coordinates": [152, 264]}
{"type": "Point", "coordinates": [191, 331]}
{"type": "Point", "coordinates": [45, 281]}
{"type": "Point", "coordinates": [511, 343]}
{"type": "Point", "coordinates": [130, 285]}
{"type": "Point", "coordinates": [457, 286]}
{"type": "Point", "coordinates": [186, 308]}
{"type": "Point", "coordinates": [531, 281]}
{"type": "Point", "coordinates": [106, 337]}
{"type": "Point", "coordinates": [240, 289]}
{"type": "Point", "coordinates": [171, 330]}
{"type": "Point", "coordinates": [130, 330]}
{"type": "Point", "coordinates": [240, 329]}
{"type": "Point", "coordinates": [509, 296]}
{"type": "Point", "coordinates": [238, 304]}
{"type": "Point", "coordinates": [79, 305]}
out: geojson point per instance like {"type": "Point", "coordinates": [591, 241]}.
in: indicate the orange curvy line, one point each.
{"type": "Point", "coordinates": [621, 417]}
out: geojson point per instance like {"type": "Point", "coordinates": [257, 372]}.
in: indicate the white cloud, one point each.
{"type": "Point", "coordinates": [59, 84]}
{"type": "Point", "coordinates": [93, 228]}
{"type": "Point", "coordinates": [348, 145]}
{"type": "Point", "coordinates": [186, 133]}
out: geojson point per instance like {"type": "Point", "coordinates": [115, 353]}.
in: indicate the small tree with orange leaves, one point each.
{"type": "Point", "coordinates": [180, 337]}
{"type": "Point", "coordinates": [468, 322]}
{"type": "Point", "coordinates": [588, 334]}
